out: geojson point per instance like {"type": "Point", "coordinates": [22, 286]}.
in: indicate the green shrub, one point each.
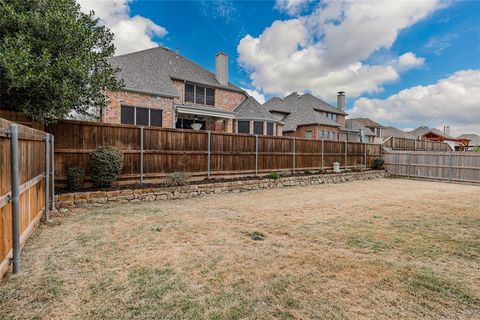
{"type": "Point", "coordinates": [75, 178]}
{"type": "Point", "coordinates": [178, 178]}
{"type": "Point", "coordinates": [378, 164]}
{"type": "Point", "coordinates": [106, 164]}
{"type": "Point", "coordinates": [273, 175]}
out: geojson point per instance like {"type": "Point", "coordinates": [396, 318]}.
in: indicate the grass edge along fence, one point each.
{"type": "Point", "coordinates": [446, 166]}
{"type": "Point", "coordinates": [24, 153]}
{"type": "Point", "coordinates": [151, 153]}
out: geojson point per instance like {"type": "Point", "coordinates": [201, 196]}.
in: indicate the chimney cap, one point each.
{"type": "Point", "coordinates": [221, 52]}
{"type": "Point", "coordinates": [342, 93]}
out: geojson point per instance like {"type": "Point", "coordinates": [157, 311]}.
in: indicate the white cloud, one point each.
{"type": "Point", "coordinates": [453, 101]}
{"type": "Point", "coordinates": [292, 7]}
{"type": "Point", "coordinates": [409, 60]}
{"type": "Point", "coordinates": [257, 95]}
{"type": "Point", "coordinates": [131, 33]}
{"type": "Point", "coordinates": [325, 51]}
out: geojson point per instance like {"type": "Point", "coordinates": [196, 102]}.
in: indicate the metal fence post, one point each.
{"type": "Point", "coordinates": [294, 155]}
{"type": "Point", "coordinates": [256, 154]}
{"type": "Point", "coordinates": [141, 154]}
{"type": "Point", "coordinates": [15, 185]}
{"type": "Point", "coordinates": [47, 177]}
{"type": "Point", "coordinates": [209, 146]}
{"type": "Point", "coordinates": [52, 172]}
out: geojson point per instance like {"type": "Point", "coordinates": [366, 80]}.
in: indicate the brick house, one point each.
{"type": "Point", "coordinates": [163, 88]}
{"type": "Point", "coordinates": [306, 116]}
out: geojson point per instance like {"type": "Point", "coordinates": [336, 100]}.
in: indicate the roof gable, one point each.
{"type": "Point", "coordinates": [250, 108]}
{"type": "Point", "coordinates": [152, 70]}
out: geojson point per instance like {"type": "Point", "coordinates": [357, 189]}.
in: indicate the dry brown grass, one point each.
{"type": "Point", "coordinates": [364, 250]}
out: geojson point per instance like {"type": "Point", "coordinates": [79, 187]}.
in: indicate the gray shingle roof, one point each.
{"type": "Point", "coordinates": [301, 110]}
{"type": "Point", "coordinates": [397, 133]}
{"type": "Point", "coordinates": [152, 71]}
{"type": "Point", "coordinates": [474, 138]}
{"type": "Point", "coordinates": [356, 126]}
{"type": "Point", "coordinates": [420, 131]}
{"type": "Point", "coordinates": [368, 122]}
{"type": "Point", "coordinates": [252, 109]}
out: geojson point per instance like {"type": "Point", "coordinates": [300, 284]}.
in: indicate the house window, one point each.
{"type": "Point", "coordinates": [309, 134]}
{"type": "Point", "coordinates": [327, 135]}
{"type": "Point", "coordinates": [258, 127]}
{"type": "Point", "coordinates": [141, 116]}
{"type": "Point", "coordinates": [270, 128]}
{"type": "Point", "coordinates": [334, 117]}
{"type": "Point", "coordinates": [127, 115]}
{"type": "Point", "coordinates": [320, 134]}
{"type": "Point", "coordinates": [189, 93]}
{"type": "Point", "coordinates": [243, 126]}
{"type": "Point", "coordinates": [199, 94]}
{"type": "Point", "coordinates": [333, 135]}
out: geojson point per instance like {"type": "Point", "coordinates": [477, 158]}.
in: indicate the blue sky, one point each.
{"type": "Point", "coordinates": [401, 63]}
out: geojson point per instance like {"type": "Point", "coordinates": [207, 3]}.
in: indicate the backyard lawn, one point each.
{"type": "Point", "coordinates": [364, 250]}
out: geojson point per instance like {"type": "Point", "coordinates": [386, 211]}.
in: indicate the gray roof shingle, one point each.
{"type": "Point", "coordinates": [152, 71]}
{"type": "Point", "coordinates": [397, 133]}
{"type": "Point", "coordinates": [366, 122]}
{"type": "Point", "coordinates": [356, 126]}
{"type": "Point", "coordinates": [250, 108]}
{"type": "Point", "coordinates": [301, 110]}
{"type": "Point", "coordinates": [420, 131]}
{"type": "Point", "coordinates": [474, 138]}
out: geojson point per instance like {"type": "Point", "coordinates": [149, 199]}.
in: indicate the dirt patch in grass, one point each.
{"type": "Point", "coordinates": [364, 250]}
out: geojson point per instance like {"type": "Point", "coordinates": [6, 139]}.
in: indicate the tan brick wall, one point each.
{"type": "Point", "coordinates": [341, 120]}
{"type": "Point", "coordinates": [301, 131]}
{"type": "Point", "coordinates": [117, 99]}
{"type": "Point", "coordinates": [228, 100]}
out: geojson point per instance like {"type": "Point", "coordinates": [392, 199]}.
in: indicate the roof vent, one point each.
{"type": "Point", "coordinates": [221, 68]}
{"type": "Point", "coordinates": [341, 101]}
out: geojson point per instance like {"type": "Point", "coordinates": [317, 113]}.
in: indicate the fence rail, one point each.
{"type": "Point", "coordinates": [415, 145]}
{"type": "Point", "coordinates": [23, 192]}
{"type": "Point", "coordinates": [152, 153]}
{"type": "Point", "coordinates": [446, 166]}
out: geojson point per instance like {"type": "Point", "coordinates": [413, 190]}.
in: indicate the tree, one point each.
{"type": "Point", "coordinates": [53, 59]}
{"type": "Point", "coordinates": [476, 149]}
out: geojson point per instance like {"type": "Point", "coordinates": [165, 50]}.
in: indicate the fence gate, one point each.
{"type": "Point", "coordinates": [25, 162]}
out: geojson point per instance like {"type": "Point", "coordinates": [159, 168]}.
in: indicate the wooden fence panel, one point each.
{"type": "Point", "coordinates": [31, 166]}
{"type": "Point", "coordinates": [170, 150]}
{"type": "Point", "coordinates": [415, 145]}
{"type": "Point", "coordinates": [447, 166]}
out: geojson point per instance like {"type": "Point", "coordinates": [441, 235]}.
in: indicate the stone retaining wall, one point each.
{"type": "Point", "coordinates": [96, 198]}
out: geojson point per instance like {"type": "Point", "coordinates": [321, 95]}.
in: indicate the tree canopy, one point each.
{"type": "Point", "coordinates": [53, 59]}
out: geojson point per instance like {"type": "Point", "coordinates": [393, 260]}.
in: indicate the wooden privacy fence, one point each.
{"type": "Point", "coordinates": [152, 153]}
{"type": "Point", "coordinates": [23, 187]}
{"type": "Point", "coordinates": [447, 166]}
{"type": "Point", "coordinates": [415, 145]}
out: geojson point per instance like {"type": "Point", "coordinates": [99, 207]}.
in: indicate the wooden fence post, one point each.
{"type": "Point", "coordinates": [365, 154]}
{"type": "Point", "coordinates": [293, 155]}
{"type": "Point", "coordinates": [141, 155]}
{"type": "Point", "coordinates": [256, 154]}
{"type": "Point", "coordinates": [450, 168]}
{"type": "Point", "coordinates": [409, 161]}
{"type": "Point", "coordinates": [209, 136]}
{"type": "Point", "coordinates": [346, 153]}
{"type": "Point", "coordinates": [322, 153]}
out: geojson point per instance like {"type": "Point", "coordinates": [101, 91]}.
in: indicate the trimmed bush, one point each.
{"type": "Point", "coordinates": [106, 164]}
{"type": "Point", "coordinates": [273, 175]}
{"type": "Point", "coordinates": [178, 178]}
{"type": "Point", "coordinates": [75, 178]}
{"type": "Point", "coordinates": [378, 164]}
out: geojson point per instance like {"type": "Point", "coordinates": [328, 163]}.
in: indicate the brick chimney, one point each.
{"type": "Point", "coordinates": [341, 101]}
{"type": "Point", "coordinates": [221, 68]}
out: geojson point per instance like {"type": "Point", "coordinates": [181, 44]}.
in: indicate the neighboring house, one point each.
{"type": "Point", "coordinates": [474, 141]}
{"type": "Point", "coordinates": [374, 127]}
{"type": "Point", "coordinates": [433, 134]}
{"type": "Point", "coordinates": [389, 132]}
{"type": "Point", "coordinates": [306, 116]}
{"type": "Point", "coordinates": [165, 89]}
{"type": "Point", "coordinates": [356, 132]}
